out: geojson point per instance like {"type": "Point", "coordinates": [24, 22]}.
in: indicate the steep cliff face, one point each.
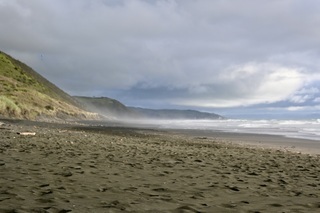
{"type": "Point", "coordinates": [25, 94]}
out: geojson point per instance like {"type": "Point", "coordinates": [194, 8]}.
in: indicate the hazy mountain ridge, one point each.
{"type": "Point", "coordinates": [113, 108]}
{"type": "Point", "coordinates": [25, 94]}
{"type": "Point", "coordinates": [107, 107]}
{"type": "Point", "coordinates": [175, 114]}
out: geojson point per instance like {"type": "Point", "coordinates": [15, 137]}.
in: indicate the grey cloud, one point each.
{"type": "Point", "coordinates": [182, 52]}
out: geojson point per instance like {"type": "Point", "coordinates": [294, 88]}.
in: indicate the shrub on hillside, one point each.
{"type": "Point", "coordinates": [8, 107]}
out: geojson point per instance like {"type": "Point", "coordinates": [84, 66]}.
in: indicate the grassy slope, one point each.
{"type": "Point", "coordinates": [26, 94]}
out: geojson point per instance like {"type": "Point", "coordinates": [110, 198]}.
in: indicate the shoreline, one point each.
{"type": "Point", "coordinates": [81, 168]}
{"type": "Point", "coordinates": [297, 145]}
{"type": "Point", "coordinates": [255, 140]}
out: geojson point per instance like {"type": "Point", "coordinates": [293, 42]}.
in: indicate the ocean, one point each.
{"type": "Point", "coordinates": [304, 129]}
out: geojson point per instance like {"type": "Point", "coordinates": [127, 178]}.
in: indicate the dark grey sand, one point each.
{"type": "Point", "coordinates": [78, 168]}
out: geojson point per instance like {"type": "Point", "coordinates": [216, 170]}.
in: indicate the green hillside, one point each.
{"type": "Point", "coordinates": [25, 94]}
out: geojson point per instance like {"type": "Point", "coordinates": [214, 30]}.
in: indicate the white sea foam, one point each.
{"type": "Point", "coordinates": [306, 129]}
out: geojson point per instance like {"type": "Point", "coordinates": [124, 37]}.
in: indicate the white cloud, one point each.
{"type": "Point", "coordinates": [299, 99]}
{"type": "Point", "coordinates": [311, 91]}
{"type": "Point", "coordinates": [305, 95]}
{"type": "Point", "coordinates": [280, 83]}
{"type": "Point", "coordinates": [249, 84]}
{"type": "Point", "coordinates": [296, 108]}
{"type": "Point", "coordinates": [304, 108]}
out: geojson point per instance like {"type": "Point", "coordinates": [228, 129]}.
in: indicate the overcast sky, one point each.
{"type": "Point", "coordinates": [225, 56]}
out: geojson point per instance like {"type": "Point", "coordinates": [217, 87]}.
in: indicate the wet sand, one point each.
{"type": "Point", "coordinates": [79, 168]}
{"type": "Point", "coordinates": [277, 142]}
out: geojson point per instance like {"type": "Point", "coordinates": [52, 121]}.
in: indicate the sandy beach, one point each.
{"type": "Point", "coordinates": [81, 168]}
